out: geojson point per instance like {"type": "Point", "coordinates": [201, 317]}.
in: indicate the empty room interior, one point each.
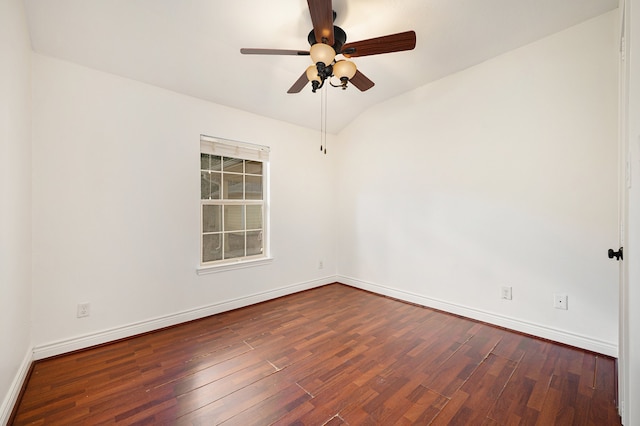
{"type": "Point", "coordinates": [470, 185]}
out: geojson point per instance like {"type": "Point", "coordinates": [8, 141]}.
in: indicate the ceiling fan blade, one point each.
{"type": "Point", "coordinates": [322, 18]}
{"type": "Point", "coordinates": [385, 44]}
{"type": "Point", "coordinates": [361, 81]}
{"type": "Point", "coordinates": [299, 84]}
{"type": "Point", "coordinates": [246, 51]}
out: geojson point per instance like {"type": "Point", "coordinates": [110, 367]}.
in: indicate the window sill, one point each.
{"type": "Point", "coordinates": [212, 269]}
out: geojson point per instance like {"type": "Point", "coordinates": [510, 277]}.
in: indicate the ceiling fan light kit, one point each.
{"type": "Point", "coordinates": [321, 52]}
{"type": "Point", "coordinates": [344, 71]}
{"type": "Point", "coordinates": [323, 56]}
{"type": "Point", "coordinates": [327, 41]}
{"type": "Point", "coordinates": [312, 74]}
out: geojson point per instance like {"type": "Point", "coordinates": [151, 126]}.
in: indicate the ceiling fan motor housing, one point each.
{"type": "Point", "coordinates": [339, 37]}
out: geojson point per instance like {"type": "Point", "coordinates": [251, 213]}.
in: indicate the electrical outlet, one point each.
{"type": "Point", "coordinates": [505, 293]}
{"type": "Point", "coordinates": [321, 265]}
{"type": "Point", "coordinates": [83, 310]}
{"type": "Point", "coordinates": [560, 301]}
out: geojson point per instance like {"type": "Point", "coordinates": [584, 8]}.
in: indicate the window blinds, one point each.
{"type": "Point", "coordinates": [229, 148]}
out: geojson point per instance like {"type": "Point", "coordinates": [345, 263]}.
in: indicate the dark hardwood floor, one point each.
{"type": "Point", "coordinates": [328, 356]}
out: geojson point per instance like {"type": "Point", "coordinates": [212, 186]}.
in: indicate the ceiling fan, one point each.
{"type": "Point", "coordinates": [327, 41]}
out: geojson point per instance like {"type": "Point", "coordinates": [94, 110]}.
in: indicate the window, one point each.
{"type": "Point", "coordinates": [233, 211]}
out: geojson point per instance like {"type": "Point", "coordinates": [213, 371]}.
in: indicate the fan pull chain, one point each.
{"type": "Point", "coordinates": [325, 120]}
{"type": "Point", "coordinates": [321, 118]}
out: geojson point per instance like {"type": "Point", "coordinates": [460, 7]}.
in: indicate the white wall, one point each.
{"type": "Point", "coordinates": [15, 201]}
{"type": "Point", "coordinates": [116, 207]}
{"type": "Point", "coordinates": [502, 175]}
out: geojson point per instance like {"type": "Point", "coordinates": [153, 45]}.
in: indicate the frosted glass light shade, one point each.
{"type": "Point", "coordinates": [321, 52]}
{"type": "Point", "coordinates": [344, 69]}
{"type": "Point", "coordinates": [312, 74]}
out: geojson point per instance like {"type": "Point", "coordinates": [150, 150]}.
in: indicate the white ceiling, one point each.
{"type": "Point", "coordinates": [193, 46]}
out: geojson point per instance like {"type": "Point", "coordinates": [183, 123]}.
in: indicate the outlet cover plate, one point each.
{"type": "Point", "coordinates": [560, 301]}
{"type": "Point", "coordinates": [83, 310]}
{"type": "Point", "coordinates": [505, 293]}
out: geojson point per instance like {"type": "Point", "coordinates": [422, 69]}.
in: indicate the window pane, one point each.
{"type": "Point", "coordinates": [233, 245]}
{"type": "Point", "coordinates": [204, 161]}
{"type": "Point", "coordinates": [254, 243]}
{"type": "Point", "coordinates": [205, 185]}
{"type": "Point", "coordinates": [216, 163]}
{"type": "Point", "coordinates": [233, 218]}
{"type": "Point", "coordinates": [253, 187]}
{"type": "Point", "coordinates": [209, 185]}
{"type": "Point", "coordinates": [232, 187]}
{"type": "Point", "coordinates": [216, 179]}
{"type": "Point", "coordinates": [209, 162]}
{"type": "Point", "coordinates": [211, 219]}
{"type": "Point", "coordinates": [254, 217]}
{"type": "Point", "coordinates": [253, 167]}
{"type": "Point", "coordinates": [234, 165]}
{"type": "Point", "coordinates": [211, 247]}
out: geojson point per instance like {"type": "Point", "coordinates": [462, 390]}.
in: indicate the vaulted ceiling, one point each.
{"type": "Point", "coordinates": [193, 46]}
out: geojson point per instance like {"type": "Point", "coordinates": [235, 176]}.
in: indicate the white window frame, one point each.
{"type": "Point", "coordinates": [245, 151]}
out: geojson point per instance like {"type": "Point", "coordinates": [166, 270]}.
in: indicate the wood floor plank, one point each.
{"type": "Point", "coordinates": [232, 404]}
{"type": "Point", "coordinates": [427, 404]}
{"type": "Point", "coordinates": [455, 371]}
{"type": "Point", "coordinates": [201, 396]}
{"type": "Point", "coordinates": [481, 390]}
{"type": "Point", "coordinates": [271, 409]}
{"type": "Point", "coordinates": [333, 355]}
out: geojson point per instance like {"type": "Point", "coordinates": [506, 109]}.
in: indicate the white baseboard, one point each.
{"type": "Point", "coordinates": [14, 391]}
{"type": "Point", "coordinates": [109, 335]}
{"type": "Point", "coordinates": [561, 336]}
